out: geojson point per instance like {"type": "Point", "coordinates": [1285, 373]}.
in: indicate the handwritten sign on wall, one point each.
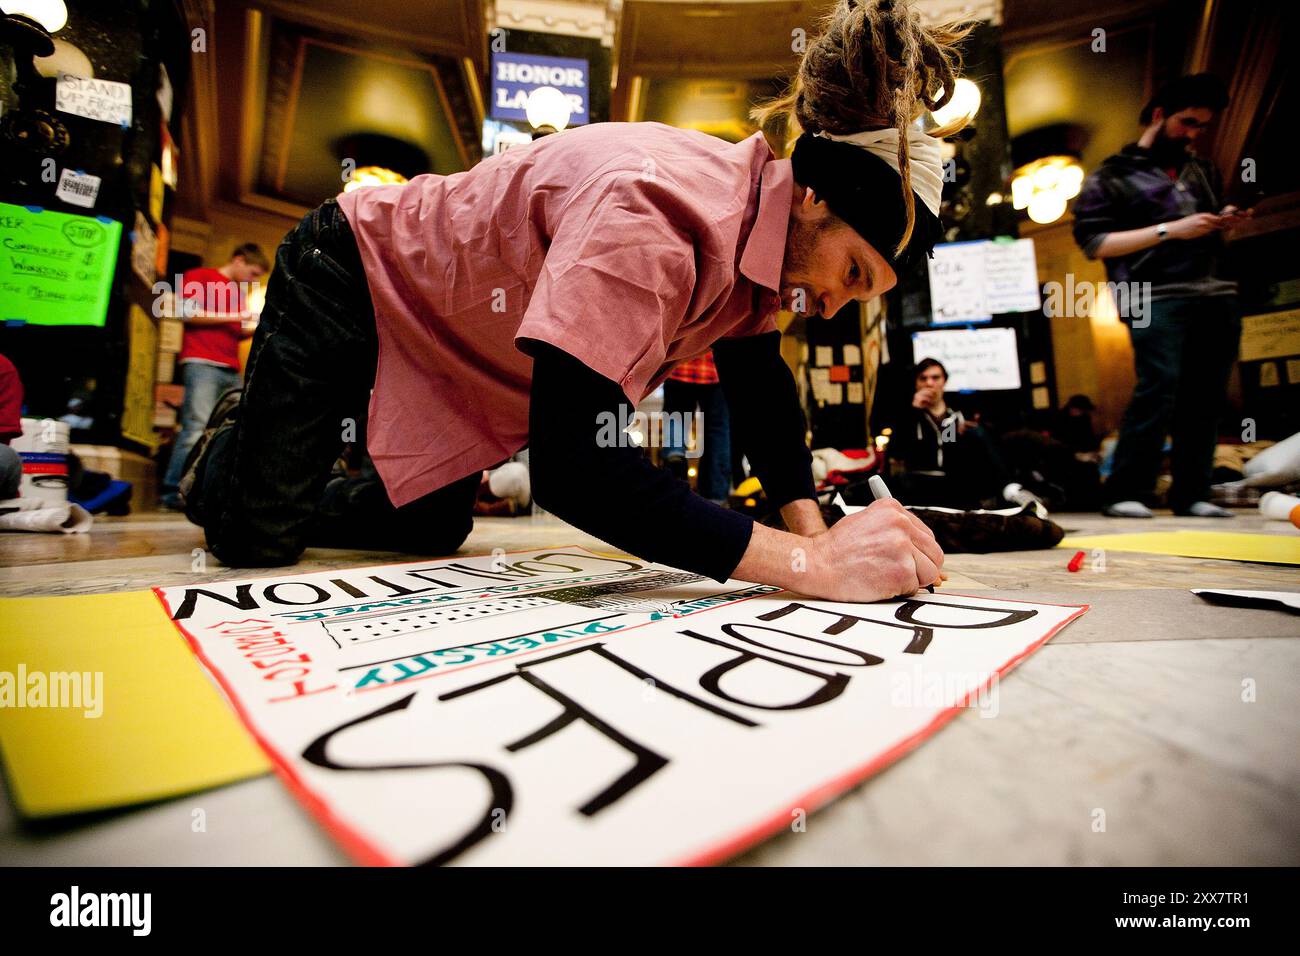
{"type": "Point", "coordinates": [56, 268]}
{"type": "Point", "coordinates": [567, 707]}
{"type": "Point", "coordinates": [976, 359]}
{"type": "Point", "coordinates": [974, 281]}
{"type": "Point", "coordinates": [102, 100]}
{"type": "Point", "coordinates": [1270, 335]}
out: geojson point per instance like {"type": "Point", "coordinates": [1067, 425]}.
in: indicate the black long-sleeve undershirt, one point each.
{"type": "Point", "coordinates": [616, 493]}
{"type": "Point", "coordinates": [766, 420]}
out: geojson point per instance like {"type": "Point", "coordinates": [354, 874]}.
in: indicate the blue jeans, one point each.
{"type": "Point", "coordinates": [11, 473]}
{"type": "Point", "coordinates": [1183, 358]}
{"type": "Point", "coordinates": [204, 384]}
{"type": "Point", "coordinates": [714, 479]}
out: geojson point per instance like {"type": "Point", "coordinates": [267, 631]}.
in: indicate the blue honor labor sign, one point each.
{"type": "Point", "coordinates": [515, 75]}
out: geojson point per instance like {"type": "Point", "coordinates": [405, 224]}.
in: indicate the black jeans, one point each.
{"type": "Point", "coordinates": [1183, 356]}
{"type": "Point", "coordinates": [973, 475]}
{"type": "Point", "coordinates": [260, 485]}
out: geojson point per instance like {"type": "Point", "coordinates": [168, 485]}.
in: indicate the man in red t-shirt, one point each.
{"type": "Point", "coordinates": [11, 426]}
{"type": "Point", "coordinates": [213, 308]}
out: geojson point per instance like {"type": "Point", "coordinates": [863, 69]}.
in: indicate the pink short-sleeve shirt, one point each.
{"type": "Point", "coordinates": [631, 246]}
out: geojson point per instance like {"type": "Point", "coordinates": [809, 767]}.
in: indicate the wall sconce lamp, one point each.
{"type": "Point", "coordinates": [1048, 173]}
{"type": "Point", "coordinates": [26, 26]}
{"type": "Point", "coordinates": [1043, 187]}
{"type": "Point", "coordinates": [48, 16]}
{"type": "Point", "coordinates": [378, 159]}
{"type": "Point", "coordinates": [965, 103]}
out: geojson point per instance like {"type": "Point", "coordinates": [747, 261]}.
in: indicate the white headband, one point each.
{"type": "Point", "coordinates": [924, 153]}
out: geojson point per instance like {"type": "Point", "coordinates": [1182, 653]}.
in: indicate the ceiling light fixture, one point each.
{"type": "Point", "coordinates": [373, 176]}
{"type": "Point", "coordinates": [26, 27]}
{"type": "Point", "coordinates": [1043, 187]}
{"type": "Point", "coordinates": [548, 110]}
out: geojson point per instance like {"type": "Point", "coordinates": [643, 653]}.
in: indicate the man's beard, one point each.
{"type": "Point", "coordinates": [800, 245]}
{"type": "Point", "coordinates": [1167, 151]}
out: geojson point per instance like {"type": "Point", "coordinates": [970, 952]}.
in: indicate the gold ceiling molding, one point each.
{"type": "Point", "coordinates": [592, 19]}
{"type": "Point", "coordinates": [198, 124]}
{"type": "Point", "coordinates": [1038, 23]}
{"type": "Point", "coordinates": [447, 27]}
{"type": "Point", "coordinates": [944, 11]}
{"type": "Point", "coordinates": [741, 40]}
{"type": "Point", "coordinates": [221, 134]}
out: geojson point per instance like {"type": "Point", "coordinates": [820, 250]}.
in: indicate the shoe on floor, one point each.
{"type": "Point", "coordinates": [1019, 495]}
{"type": "Point", "coordinates": [1203, 509]}
{"type": "Point", "coordinates": [224, 415]}
{"type": "Point", "coordinates": [1127, 509]}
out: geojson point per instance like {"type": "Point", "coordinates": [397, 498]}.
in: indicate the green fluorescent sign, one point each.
{"type": "Point", "coordinates": [55, 268]}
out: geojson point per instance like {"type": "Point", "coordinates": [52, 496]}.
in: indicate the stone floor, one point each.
{"type": "Point", "coordinates": [1133, 715]}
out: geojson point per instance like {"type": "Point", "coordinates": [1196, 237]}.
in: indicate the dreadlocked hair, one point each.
{"type": "Point", "coordinates": [874, 65]}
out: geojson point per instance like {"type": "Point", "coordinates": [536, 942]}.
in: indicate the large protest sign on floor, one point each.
{"type": "Point", "coordinates": [563, 706]}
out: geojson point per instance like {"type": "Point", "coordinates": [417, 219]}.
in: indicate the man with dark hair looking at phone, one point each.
{"type": "Point", "coordinates": [1154, 213]}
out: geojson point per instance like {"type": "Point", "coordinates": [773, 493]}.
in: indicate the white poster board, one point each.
{"type": "Point", "coordinates": [977, 360]}
{"type": "Point", "coordinates": [974, 281]}
{"type": "Point", "coordinates": [568, 707]}
{"type": "Point", "coordinates": [144, 249]}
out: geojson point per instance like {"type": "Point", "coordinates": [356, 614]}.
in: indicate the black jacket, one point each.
{"type": "Point", "coordinates": [1130, 191]}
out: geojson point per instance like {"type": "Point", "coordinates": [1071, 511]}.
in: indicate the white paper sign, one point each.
{"type": "Point", "coordinates": [102, 100]}
{"type": "Point", "coordinates": [974, 281]}
{"type": "Point", "coordinates": [976, 359]}
{"type": "Point", "coordinates": [957, 283]}
{"type": "Point", "coordinates": [144, 250]}
{"type": "Point", "coordinates": [1011, 277]}
{"type": "Point", "coordinates": [164, 94]}
{"type": "Point", "coordinates": [820, 379]}
{"type": "Point", "coordinates": [77, 188]}
{"type": "Point", "coordinates": [566, 707]}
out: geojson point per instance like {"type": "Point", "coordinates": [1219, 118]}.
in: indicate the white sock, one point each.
{"type": "Point", "coordinates": [1127, 509]}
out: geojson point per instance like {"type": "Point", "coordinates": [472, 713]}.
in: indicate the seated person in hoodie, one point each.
{"type": "Point", "coordinates": [939, 457]}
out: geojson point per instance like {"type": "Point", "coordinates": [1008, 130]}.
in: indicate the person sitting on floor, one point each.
{"type": "Point", "coordinates": [945, 460]}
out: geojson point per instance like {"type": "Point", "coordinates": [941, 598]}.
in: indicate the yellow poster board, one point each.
{"type": "Point", "coordinates": [162, 730]}
{"type": "Point", "coordinates": [1228, 545]}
